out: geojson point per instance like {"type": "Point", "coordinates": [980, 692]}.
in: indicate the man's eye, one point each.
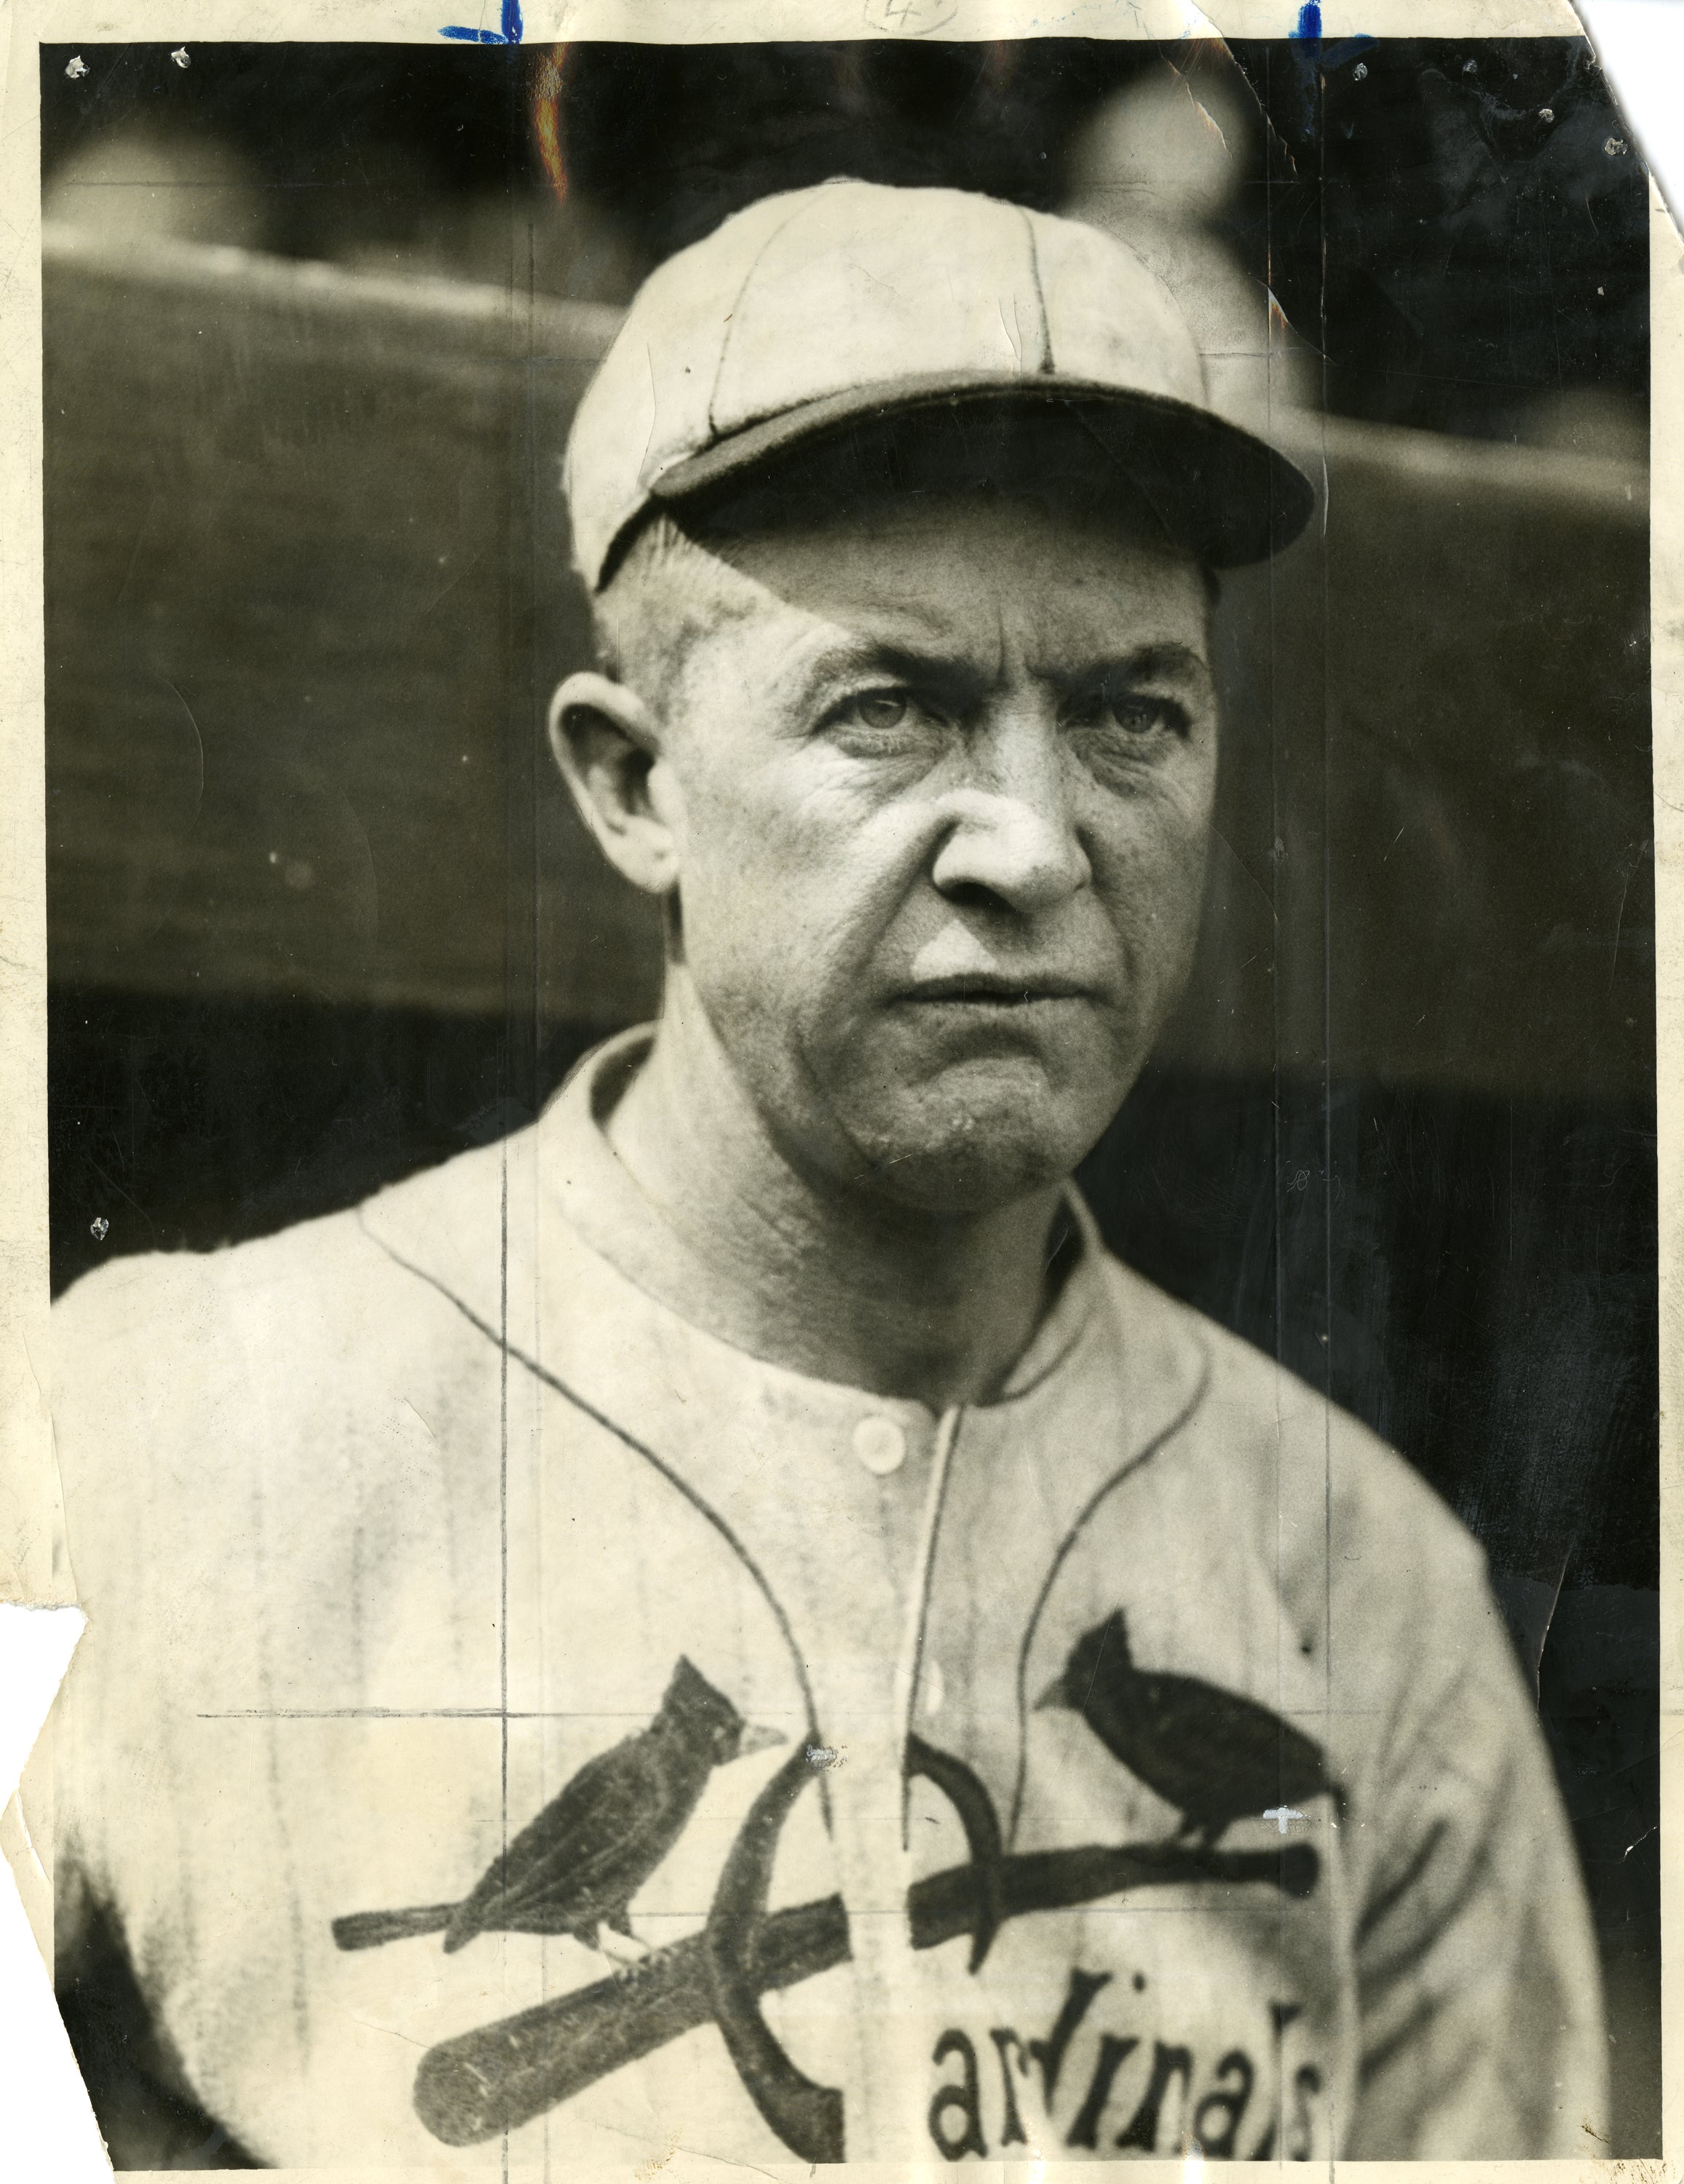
{"type": "Point", "coordinates": [880, 709]}
{"type": "Point", "coordinates": [1137, 713]}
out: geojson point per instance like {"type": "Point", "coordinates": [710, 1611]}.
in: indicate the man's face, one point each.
{"type": "Point", "coordinates": [939, 812]}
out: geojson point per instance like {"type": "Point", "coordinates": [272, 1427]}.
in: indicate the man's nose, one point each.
{"type": "Point", "coordinates": [1011, 830]}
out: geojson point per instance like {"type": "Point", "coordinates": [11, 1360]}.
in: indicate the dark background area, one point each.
{"type": "Point", "coordinates": [1444, 219]}
{"type": "Point", "coordinates": [1461, 1248]}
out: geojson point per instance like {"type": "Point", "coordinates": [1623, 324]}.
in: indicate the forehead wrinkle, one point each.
{"type": "Point", "coordinates": [984, 632]}
{"type": "Point", "coordinates": [907, 641]}
{"type": "Point", "coordinates": [816, 651]}
{"type": "Point", "coordinates": [832, 652]}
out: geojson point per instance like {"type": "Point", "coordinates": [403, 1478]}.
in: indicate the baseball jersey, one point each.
{"type": "Point", "coordinates": [515, 1726]}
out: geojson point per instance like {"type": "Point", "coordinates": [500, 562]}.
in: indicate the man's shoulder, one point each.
{"type": "Point", "coordinates": [456, 1201]}
{"type": "Point", "coordinates": [278, 1321]}
{"type": "Point", "coordinates": [1267, 1435]}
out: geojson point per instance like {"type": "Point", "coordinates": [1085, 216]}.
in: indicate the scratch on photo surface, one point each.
{"type": "Point", "coordinates": [1206, 116]}
{"type": "Point", "coordinates": [199, 801]}
{"type": "Point", "coordinates": [391, 2030]}
{"type": "Point", "coordinates": [419, 1419]}
{"type": "Point", "coordinates": [1555, 1602]}
{"type": "Point", "coordinates": [653, 404]}
{"type": "Point", "coordinates": [656, 2162]}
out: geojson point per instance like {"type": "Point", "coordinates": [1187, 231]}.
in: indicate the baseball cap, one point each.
{"type": "Point", "coordinates": [816, 311]}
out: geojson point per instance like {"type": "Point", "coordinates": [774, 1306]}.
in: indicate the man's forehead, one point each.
{"type": "Point", "coordinates": [922, 575]}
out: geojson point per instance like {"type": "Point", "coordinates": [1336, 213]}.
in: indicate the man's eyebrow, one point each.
{"type": "Point", "coordinates": [907, 661]}
{"type": "Point", "coordinates": [1144, 663]}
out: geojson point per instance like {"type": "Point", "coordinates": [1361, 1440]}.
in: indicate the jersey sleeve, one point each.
{"type": "Point", "coordinates": [1479, 1987]}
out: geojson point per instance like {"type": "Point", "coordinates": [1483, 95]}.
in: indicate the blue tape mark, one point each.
{"type": "Point", "coordinates": [510, 35]}
{"type": "Point", "coordinates": [1309, 21]}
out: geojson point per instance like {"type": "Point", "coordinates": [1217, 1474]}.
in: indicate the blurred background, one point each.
{"type": "Point", "coordinates": [315, 319]}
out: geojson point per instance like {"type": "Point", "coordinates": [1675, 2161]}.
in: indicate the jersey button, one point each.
{"type": "Point", "coordinates": [880, 1445]}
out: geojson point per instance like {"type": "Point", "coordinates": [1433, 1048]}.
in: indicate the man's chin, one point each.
{"type": "Point", "coordinates": [971, 1146]}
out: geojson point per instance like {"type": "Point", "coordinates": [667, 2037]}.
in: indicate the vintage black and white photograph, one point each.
{"type": "Point", "coordinates": [851, 1091]}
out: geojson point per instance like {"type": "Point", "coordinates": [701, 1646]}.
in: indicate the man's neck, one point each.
{"type": "Point", "coordinates": [936, 1307]}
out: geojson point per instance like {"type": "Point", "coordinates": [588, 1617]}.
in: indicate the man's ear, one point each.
{"type": "Point", "coordinates": [606, 744]}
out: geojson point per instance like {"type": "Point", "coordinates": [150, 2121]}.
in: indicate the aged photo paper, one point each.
{"type": "Point", "coordinates": [839, 977]}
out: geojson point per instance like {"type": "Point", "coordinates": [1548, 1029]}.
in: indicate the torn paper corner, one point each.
{"type": "Point", "coordinates": [35, 1646]}
{"type": "Point", "coordinates": [49, 2127]}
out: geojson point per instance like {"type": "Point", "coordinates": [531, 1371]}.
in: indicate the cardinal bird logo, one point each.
{"type": "Point", "coordinates": [576, 1867]}
{"type": "Point", "coordinates": [1213, 1755]}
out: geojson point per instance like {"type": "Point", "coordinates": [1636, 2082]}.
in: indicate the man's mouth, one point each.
{"type": "Point", "coordinates": [995, 989]}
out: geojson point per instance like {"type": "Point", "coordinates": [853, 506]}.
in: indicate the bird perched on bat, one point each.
{"type": "Point", "coordinates": [576, 1868]}
{"type": "Point", "coordinates": [1213, 1755]}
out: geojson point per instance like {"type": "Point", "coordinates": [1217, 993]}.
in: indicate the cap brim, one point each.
{"type": "Point", "coordinates": [1227, 495]}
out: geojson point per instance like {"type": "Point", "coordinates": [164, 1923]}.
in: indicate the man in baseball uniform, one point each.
{"type": "Point", "coordinates": [727, 1624]}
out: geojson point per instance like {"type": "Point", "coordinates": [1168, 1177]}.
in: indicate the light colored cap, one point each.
{"type": "Point", "coordinates": [822, 308]}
